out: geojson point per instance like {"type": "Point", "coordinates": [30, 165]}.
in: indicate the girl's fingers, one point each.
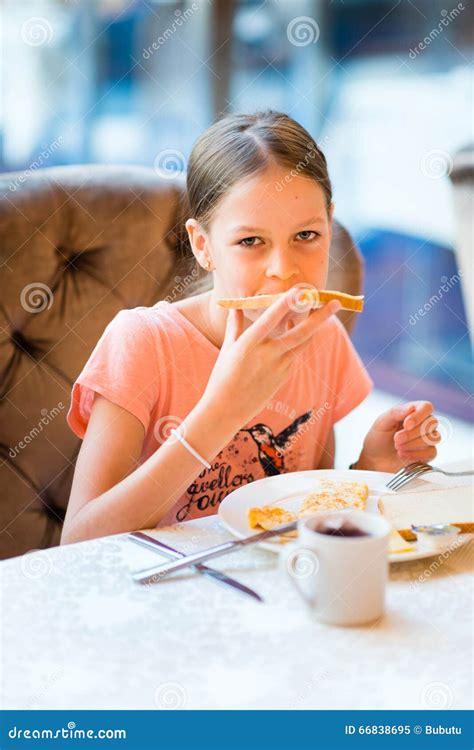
{"type": "Point", "coordinates": [271, 317]}
{"type": "Point", "coordinates": [239, 323]}
{"type": "Point", "coordinates": [234, 327]}
{"type": "Point", "coordinates": [419, 443]}
{"type": "Point", "coordinates": [300, 335]}
{"type": "Point", "coordinates": [428, 453]}
{"type": "Point", "coordinates": [288, 305]}
{"type": "Point", "coordinates": [423, 409]}
{"type": "Point", "coordinates": [428, 430]}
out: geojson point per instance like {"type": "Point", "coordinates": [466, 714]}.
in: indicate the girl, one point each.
{"type": "Point", "coordinates": [251, 395]}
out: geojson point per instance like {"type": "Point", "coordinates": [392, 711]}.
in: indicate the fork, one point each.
{"type": "Point", "coordinates": [412, 471]}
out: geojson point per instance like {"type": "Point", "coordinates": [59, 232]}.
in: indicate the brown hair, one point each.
{"type": "Point", "coordinates": [240, 145]}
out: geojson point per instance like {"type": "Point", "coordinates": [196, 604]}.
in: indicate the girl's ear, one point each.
{"type": "Point", "coordinates": [197, 238]}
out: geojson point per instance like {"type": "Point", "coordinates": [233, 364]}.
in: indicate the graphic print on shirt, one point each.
{"type": "Point", "coordinates": [205, 493]}
{"type": "Point", "coordinates": [271, 447]}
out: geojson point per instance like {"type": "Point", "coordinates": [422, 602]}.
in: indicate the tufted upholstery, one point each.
{"type": "Point", "coordinates": [78, 244]}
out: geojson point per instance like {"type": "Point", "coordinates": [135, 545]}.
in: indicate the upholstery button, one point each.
{"type": "Point", "coordinates": [18, 339]}
{"type": "Point", "coordinates": [52, 510]}
{"type": "Point", "coordinates": [70, 258]}
{"type": "Point", "coordinates": [73, 261]}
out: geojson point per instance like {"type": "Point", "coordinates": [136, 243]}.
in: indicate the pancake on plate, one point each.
{"type": "Point", "coordinates": [330, 496]}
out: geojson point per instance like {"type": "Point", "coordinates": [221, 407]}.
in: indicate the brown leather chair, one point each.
{"type": "Point", "coordinates": [78, 244]}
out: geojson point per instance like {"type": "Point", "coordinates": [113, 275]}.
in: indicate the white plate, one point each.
{"type": "Point", "coordinates": [288, 490]}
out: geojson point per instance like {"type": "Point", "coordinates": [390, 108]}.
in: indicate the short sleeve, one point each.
{"type": "Point", "coordinates": [353, 382]}
{"type": "Point", "coordinates": [123, 367]}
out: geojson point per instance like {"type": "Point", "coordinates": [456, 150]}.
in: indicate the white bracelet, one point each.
{"type": "Point", "coordinates": [190, 448]}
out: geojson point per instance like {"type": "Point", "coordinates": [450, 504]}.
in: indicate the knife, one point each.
{"type": "Point", "coordinates": [150, 542]}
{"type": "Point", "coordinates": [156, 573]}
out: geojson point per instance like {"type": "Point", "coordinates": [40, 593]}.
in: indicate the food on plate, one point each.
{"type": "Point", "coordinates": [397, 544]}
{"type": "Point", "coordinates": [443, 505]}
{"type": "Point", "coordinates": [453, 505]}
{"type": "Point", "coordinates": [318, 297]}
{"type": "Point", "coordinates": [330, 496]}
{"type": "Point", "coordinates": [335, 496]}
{"type": "Point", "coordinates": [269, 517]}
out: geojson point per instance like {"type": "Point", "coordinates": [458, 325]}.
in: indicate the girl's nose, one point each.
{"type": "Point", "coordinates": [282, 265]}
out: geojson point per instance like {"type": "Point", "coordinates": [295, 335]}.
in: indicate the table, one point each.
{"type": "Point", "coordinates": [79, 633]}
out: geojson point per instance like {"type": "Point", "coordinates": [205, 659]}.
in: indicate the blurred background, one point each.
{"type": "Point", "coordinates": [384, 86]}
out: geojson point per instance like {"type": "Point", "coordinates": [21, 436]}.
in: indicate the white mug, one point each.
{"type": "Point", "coordinates": [342, 579]}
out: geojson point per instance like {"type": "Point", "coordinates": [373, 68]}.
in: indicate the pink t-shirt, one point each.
{"type": "Point", "coordinates": [153, 362]}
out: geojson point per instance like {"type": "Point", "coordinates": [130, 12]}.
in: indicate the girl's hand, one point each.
{"type": "Point", "coordinates": [404, 434]}
{"type": "Point", "coordinates": [254, 363]}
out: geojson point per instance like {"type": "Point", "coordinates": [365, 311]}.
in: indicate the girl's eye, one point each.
{"type": "Point", "coordinates": [248, 241]}
{"type": "Point", "coordinates": [306, 232]}
{"type": "Point", "coordinates": [306, 235]}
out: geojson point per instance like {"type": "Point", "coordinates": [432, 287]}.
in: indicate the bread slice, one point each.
{"type": "Point", "coordinates": [453, 505]}
{"type": "Point", "coordinates": [319, 297]}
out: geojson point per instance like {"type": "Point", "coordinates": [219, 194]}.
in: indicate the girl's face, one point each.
{"type": "Point", "coordinates": [268, 233]}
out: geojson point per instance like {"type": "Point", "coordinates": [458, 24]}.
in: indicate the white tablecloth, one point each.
{"type": "Point", "coordinates": [78, 633]}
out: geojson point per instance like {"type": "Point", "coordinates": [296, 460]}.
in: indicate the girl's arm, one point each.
{"type": "Point", "coordinates": [110, 495]}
